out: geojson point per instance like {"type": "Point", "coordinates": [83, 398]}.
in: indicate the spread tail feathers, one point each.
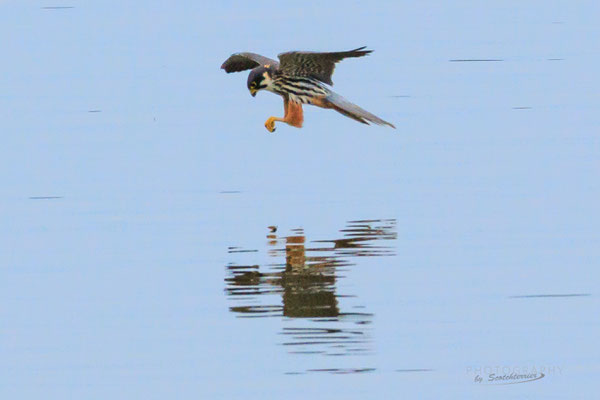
{"type": "Point", "coordinates": [343, 106]}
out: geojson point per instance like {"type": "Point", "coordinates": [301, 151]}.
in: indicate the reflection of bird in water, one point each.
{"type": "Point", "coordinates": [306, 282]}
{"type": "Point", "coordinates": [307, 291]}
{"type": "Point", "coordinates": [308, 276]}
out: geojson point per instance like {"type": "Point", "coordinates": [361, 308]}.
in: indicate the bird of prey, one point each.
{"type": "Point", "coordinates": [300, 77]}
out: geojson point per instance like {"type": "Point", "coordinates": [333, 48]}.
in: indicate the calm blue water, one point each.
{"type": "Point", "coordinates": [156, 242]}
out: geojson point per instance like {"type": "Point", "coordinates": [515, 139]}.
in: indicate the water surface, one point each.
{"type": "Point", "coordinates": [156, 242]}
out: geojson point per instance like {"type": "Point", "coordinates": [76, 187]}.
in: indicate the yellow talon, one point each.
{"type": "Point", "coordinates": [270, 124]}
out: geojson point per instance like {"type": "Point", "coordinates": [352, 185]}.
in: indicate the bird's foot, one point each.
{"type": "Point", "coordinates": [270, 124]}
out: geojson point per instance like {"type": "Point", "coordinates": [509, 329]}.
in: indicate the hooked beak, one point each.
{"type": "Point", "coordinates": [253, 92]}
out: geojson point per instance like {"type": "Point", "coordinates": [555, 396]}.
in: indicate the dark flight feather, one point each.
{"type": "Point", "coordinates": [243, 61]}
{"type": "Point", "coordinates": [316, 65]}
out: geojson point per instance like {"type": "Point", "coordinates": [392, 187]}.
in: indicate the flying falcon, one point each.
{"type": "Point", "coordinates": [300, 77]}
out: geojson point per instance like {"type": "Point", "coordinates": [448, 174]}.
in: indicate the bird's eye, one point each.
{"type": "Point", "coordinates": [253, 85]}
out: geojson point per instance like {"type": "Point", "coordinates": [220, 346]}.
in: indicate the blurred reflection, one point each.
{"type": "Point", "coordinates": [302, 286]}
{"type": "Point", "coordinates": [308, 291]}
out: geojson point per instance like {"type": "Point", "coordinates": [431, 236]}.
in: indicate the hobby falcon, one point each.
{"type": "Point", "coordinates": [300, 77]}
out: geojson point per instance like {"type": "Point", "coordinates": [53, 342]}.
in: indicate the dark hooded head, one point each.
{"type": "Point", "coordinates": [258, 79]}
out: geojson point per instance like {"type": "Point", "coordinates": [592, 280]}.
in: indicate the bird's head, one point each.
{"type": "Point", "coordinates": [259, 78]}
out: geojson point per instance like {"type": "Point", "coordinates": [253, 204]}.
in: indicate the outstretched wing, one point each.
{"type": "Point", "coordinates": [243, 61]}
{"type": "Point", "coordinates": [316, 65]}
